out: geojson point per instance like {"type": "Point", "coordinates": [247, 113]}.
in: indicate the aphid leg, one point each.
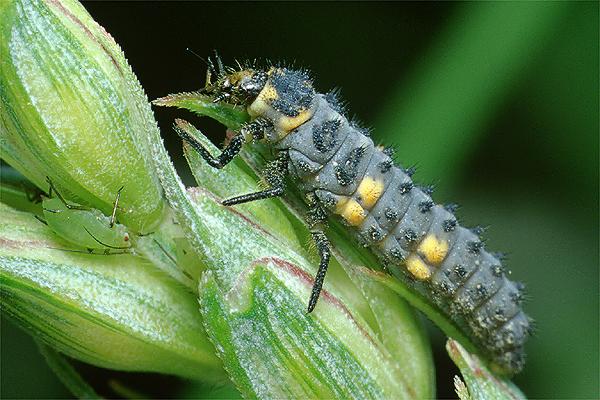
{"type": "Point", "coordinates": [114, 211]}
{"type": "Point", "coordinates": [93, 252]}
{"type": "Point", "coordinates": [317, 218]}
{"type": "Point", "coordinates": [62, 199]}
{"type": "Point", "coordinates": [324, 253]}
{"type": "Point", "coordinates": [102, 243]}
{"type": "Point", "coordinates": [40, 219]}
{"type": "Point", "coordinates": [34, 195]}
{"type": "Point", "coordinates": [274, 175]}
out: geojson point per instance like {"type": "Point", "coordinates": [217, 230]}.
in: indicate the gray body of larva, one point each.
{"type": "Point", "coordinates": [358, 181]}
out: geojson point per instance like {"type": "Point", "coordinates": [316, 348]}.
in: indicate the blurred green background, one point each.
{"type": "Point", "coordinates": [496, 103]}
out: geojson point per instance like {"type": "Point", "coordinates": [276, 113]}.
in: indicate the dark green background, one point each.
{"type": "Point", "coordinates": [496, 103]}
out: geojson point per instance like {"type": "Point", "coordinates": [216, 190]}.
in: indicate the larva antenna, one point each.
{"type": "Point", "coordinates": [210, 70]}
{"type": "Point", "coordinates": [208, 63]}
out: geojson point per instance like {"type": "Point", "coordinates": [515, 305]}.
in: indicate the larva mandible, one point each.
{"type": "Point", "coordinates": [340, 171]}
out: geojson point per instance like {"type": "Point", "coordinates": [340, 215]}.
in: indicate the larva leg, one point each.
{"type": "Point", "coordinates": [263, 194]}
{"type": "Point", "coordinates": [274, 174]}
{"type": "Point", "coordinates": [324, 253]}
{"type": "Point", "coordinates": [317, 220]}
{"type": "Point", "coordinates": [253, 130]}
{"type": "Point", "coordinates": [228, 153]}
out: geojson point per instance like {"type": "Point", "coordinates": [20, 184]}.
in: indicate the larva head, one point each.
{"type": "Point", "coordinates": [238, 87]}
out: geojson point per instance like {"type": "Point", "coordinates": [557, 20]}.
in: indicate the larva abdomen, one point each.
{"type": "Point", "coordinates": [399, 221]}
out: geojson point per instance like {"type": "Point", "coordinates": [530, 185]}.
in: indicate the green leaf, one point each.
{"type": "Point", "coordinates": [229, 115]}
{"type": "Point", "coordinates": [118, 311]}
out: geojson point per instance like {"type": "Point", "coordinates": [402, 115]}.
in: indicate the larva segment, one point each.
{"type": "Point", "coordinates": [512, 334]}
{"type": "Point", "coordinates": [433, 249]}
{"type": "Point", "coordinates": [483, 284]}
{"type": "Point", "coordinates": [444, 236]}
{"type": "Point", "coordinates": [301, 166]}
{"type": "Point", "coordinates": [325, 135]}
{"type": "Point", "coordinates": [383, 216]}
{"type": "Point", "coordinates": [414, 225]}
{"type": "Point", "coordinates": [344, 171]}
{"type": "Point", "coordinates": [497, 310]}
{"type": "Point", "coordinates": [418, 268]}
{"type": "Point", "coordinates": [374, 181]}
{"type": "Point", "coordinates": [351, 211]}
{"type": "Point", "coordinates": [373, 193]}
{"type": "Point", "coordinates": [318, 140]}
{"type": "Point", "coordinates": [287, 99]}
{"type": "Point", "coordinates": [438, 241]}
{"type": "Point", "coordinates": [394, 201]}
{"type": "Point", "coordinates": [457, 268]}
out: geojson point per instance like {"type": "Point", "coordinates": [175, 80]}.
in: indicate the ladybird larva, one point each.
{"type": "Point", "coordinates": [341, 172]}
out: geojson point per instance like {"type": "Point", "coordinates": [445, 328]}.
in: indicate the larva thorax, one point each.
{"type": "Point", "coordinates": [336, 162]}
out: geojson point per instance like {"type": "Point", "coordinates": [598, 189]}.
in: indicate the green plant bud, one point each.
{"type": "Point", "coordinates": [361, 341]}
{"type": "Point", "coordinates": [115, 311]}
{"type": "Point", "coordinates": [73, 109]}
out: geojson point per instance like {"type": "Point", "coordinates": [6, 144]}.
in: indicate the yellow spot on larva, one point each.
{"type": "Point", "coordinates": [370, 191]}
{"type": "Point", "coordinates": [263, 101]}
{"type": "Point", "coordinates": [341, 203]}
{"type": "Point", "coordinates": [351, 211]}
{"type": "Point", "coordinates": [433, 250]}
{"type": "Point", "coordinates": [285, 124]}
{"type": "Point", "coordinates": [417, 267]}
{"type": "Point", "coordinates": [268, 93]}
{"type": "Point", "coordinates": [258, 107]}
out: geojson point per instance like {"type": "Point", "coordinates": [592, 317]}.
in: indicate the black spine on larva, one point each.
{"type": "Point", "coordinates": [332, 158]}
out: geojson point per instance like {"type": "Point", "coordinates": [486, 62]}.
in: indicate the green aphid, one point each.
{"type": "Point", "coordinates": [85, 227]}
